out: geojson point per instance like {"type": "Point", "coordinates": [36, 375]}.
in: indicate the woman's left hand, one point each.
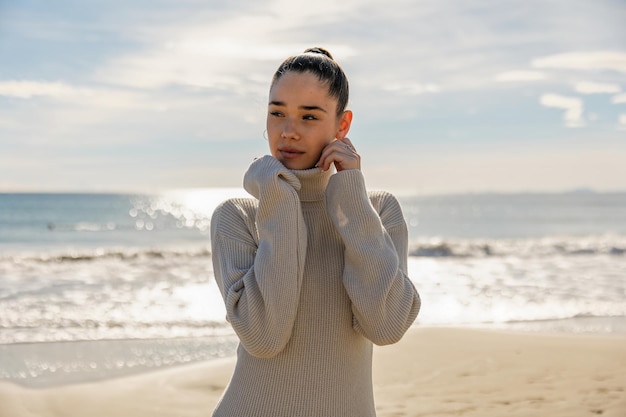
{"type": "Point", "coordinates": [342, 153]}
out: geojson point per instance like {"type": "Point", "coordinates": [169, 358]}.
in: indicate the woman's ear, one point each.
{"type": "Point", "coordinates": [345, 121]}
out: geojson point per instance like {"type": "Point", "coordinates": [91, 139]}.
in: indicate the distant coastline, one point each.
{"type": "Point", "coordinates": [398, 192]}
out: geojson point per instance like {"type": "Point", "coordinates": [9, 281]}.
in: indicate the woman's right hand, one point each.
{"type": "Point", "coordinates": [342, 153]}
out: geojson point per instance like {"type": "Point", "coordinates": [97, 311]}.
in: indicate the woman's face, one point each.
{"type": "Point", "coordinates": [301, 120]}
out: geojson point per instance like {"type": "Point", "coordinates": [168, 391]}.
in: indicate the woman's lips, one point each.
{"type": "Point", "coordinates": [290, 153]}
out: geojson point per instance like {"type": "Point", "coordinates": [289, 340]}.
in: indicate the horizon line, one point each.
{"type": "Point", "coordinates": [397, 192]}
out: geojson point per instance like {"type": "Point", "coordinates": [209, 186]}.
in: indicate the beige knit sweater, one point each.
{"type": "Point", "coordinates": [312, 271]}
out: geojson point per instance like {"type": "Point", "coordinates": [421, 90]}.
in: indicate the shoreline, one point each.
{"type": "Point", "coordinates": [50, 364]}
{"type": "Point", "coordinates": [431, 371]}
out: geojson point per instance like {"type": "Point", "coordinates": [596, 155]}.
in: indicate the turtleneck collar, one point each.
{"type": "Point", "coordinates": [313, 183]}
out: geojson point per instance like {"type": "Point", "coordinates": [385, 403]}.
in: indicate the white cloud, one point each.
{"type": "Point", "coordinates": [226, 54]}
{"type": "Point", "coordinates": [90, 97]}
{"type": "Point", "coordinates": [586, 87]}
{"type": "Point", "coordinates": [29, 89]}
{"type": "Point", "coordinates": [619, 99]}
{"type": "Point", "coordinates": [621, 121]}
{"type": "Point", "coordinates": [521, 75]}
{"type": "Point", "coordinates": [202, 59]}
{"type": "Point", "coordinates": [573, 107]}
{"type": "Point", "coordinates": [412, 88]}
{"type": "Point", "coordinates": [595, 60]}
{"type": "Point", "coordinates": [197, 73]}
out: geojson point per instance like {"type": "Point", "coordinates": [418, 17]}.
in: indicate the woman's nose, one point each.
{"type": "Point", "coordinates": [289, 130]}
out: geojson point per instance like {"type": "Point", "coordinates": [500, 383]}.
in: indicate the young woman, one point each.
{"type": "Point", "coordinates": [313, 268]}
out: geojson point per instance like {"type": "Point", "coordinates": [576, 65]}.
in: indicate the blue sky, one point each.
{"type": "Point", "coordinates": [449, 96]}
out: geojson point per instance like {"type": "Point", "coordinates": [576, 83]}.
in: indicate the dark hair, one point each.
{"type": "Point", "coordinates": [320, 62]}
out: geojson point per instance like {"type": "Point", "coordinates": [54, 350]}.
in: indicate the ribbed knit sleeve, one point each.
{"type": "Point", "coordinates": [384, 301]}
{"type": "Point", "coordinates": [260, 275]}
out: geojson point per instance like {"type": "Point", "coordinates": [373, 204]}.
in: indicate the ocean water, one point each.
{"type": "Point", "coordinates": [133, 272]}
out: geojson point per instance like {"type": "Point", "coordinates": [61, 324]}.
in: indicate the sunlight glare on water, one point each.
{"type": "Point", "coordinates": [202, 302]}
{"type": "Point", "coordinates": [202, 201]}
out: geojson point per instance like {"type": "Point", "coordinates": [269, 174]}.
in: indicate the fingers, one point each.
{"type": "Point", "coordinates": [349, 142]}
{"type": "Point", "coordinates": [342, 153]}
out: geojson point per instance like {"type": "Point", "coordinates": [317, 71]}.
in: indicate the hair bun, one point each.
{"type": "Point", "coordinates": [318, 50]}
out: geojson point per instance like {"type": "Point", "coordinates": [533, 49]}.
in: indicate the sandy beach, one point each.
{"type": "Point", "coordinates": [431, 372]}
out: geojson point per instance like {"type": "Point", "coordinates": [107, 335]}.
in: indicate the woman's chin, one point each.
{"type": "Point", "coordinates": [296, 165]}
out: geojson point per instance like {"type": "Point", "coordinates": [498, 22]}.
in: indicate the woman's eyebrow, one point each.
{"type": "Point", "coordinates": [307, 108]}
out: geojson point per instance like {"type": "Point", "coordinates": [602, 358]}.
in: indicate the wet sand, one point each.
{"type": "Point", "coordinates": [431, 372]}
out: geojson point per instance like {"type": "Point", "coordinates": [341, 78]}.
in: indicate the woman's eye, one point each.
{"type": "Point", "coordinates": [309, 117]}
{"type": "Point", "coordinates": [276, 113]}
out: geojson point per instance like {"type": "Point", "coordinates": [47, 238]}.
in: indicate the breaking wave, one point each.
{"type": "Point", "coordinates": [529, 247]}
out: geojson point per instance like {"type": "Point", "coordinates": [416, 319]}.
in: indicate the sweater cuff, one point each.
{"type": "Point", "coordinates": [347, 199]}
{"type": "Point", "coordinates": [267, 172]}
